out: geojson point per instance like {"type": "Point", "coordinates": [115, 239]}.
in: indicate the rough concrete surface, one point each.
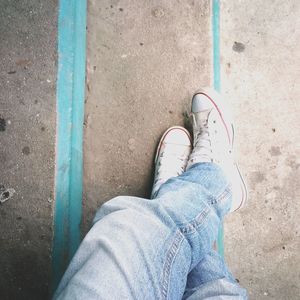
{"type": "Point", "coordinates": [27, 135]}
{"type": "Point", "coordinates": [144, 63]}
{"type": "Point", "coordinates": [145, 60]}
{"type": "Point", "coordinates": [260, 70]}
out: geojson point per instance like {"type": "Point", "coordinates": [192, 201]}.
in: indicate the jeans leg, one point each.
{"type": "Point", "coordinates": [211, 278]}
{"type": "Point", "coordinates": [141, 249]}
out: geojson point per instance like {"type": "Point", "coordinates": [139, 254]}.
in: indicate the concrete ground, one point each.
{"type": "Point", "coordinates": [144, 63]}
{"type": "Point", "coordinates": [27, 135]}
{"type": "Point", "coordinates": [260, 69]}
{"type": "Point", "coordinates": [145, 60]}
{"type": "Point", "coordinates": [142, 70]}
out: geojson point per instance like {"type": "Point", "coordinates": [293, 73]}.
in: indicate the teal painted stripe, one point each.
{"type": "Point", "coordinates": [70, 114]}
{"type": "Point", "coordinates": [216, 44]}
{"type": "Point", "coordinates": [217, 84]}
{"type": "Point", "coordinates": [220, 241]}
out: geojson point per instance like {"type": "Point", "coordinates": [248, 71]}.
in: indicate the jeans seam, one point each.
{"type": "Point", "coordinates": [223, 195]}
{"type": "Point", "coordinates": [186, 229]}
{"type": "Point", "coordinates": [172, 252]}
{"type": "Point", "coordinates": [219, 198]}
{"type": "Point", "coordinates": [196, 222]}
{"type": "Point", "coordinates": [193, 225]}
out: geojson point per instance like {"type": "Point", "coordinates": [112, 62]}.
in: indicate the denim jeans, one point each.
{"type": "Point", "coordinates": [157, 249]}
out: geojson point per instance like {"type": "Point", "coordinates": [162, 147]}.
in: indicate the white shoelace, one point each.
{"type": "Point", "coordinates": [172, 163]}
{"type": "Point", "coordinates": [205, 150]}
{"type": "Point", "coordinates": [202, 144]}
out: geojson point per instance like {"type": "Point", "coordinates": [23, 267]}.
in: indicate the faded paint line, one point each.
{"type": "Point", "coordinates": [217, 84]}
{"type": "Point", "coordinates": [70, 114]}
{"type": "Point", "coordinates": [216, 44]}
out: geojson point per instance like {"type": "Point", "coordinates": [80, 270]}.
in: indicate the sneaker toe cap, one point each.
{"type": "Point", "coordinates": [178, 136]}
{"type": "Point", "coordinates": [201, 103]}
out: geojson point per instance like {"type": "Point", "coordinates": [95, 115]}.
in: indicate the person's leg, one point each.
{"type": "Point", "coordinates": [213, 141]}
{"type": "Point", "coordinates": [145, 249]}
{"type": "Point", "coordinates": [141, 249]}
{"type": "Point", "coordinates": [211, 278]}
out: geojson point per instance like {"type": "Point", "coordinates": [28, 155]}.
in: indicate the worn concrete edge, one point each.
{"type": "Point", "coordinates": [217, 83]}
{"type": "Point", "coordinates": [70, 116]}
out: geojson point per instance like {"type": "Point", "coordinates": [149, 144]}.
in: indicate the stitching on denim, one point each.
{"type": "Point", "coordinates": [186, 229]}
{"type": "Point", "coordinates": [172, 252]}
{"type": "Point", "coordinates": [193, 226]}
{"type": "Point", "coordinates": [224, 195]}
{"type": "Point", "coordinates": [197, 221]}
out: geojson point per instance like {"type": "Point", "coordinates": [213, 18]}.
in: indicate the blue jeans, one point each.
{"type": "Point", "coordinates": [157, 249]}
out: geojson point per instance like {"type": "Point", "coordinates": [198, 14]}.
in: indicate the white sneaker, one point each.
{"type": "Point", "coordinates": [171, 156]}
{"type": "Point", "coordinates": [213, 140]}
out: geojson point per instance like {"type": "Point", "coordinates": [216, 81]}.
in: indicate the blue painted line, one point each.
{"type": "Point", "coordinates": [217, 84]}
{"type": "Point", "coordinates": [70, 116]}
{"type": "Point", "coordinates": [216, 44]}
{"type": "Point", "coordinates": [220, 241]}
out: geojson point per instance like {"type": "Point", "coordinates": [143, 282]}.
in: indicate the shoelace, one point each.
{"type": "Point", "coordinates": [202, 144]}
{"type": "Point", "coordinates": [171, 164]}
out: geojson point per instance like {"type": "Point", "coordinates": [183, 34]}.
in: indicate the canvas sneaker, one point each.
{"type": "Point", "coordinates": [172, 156]}
{"type": "Point", "coordinates": [213, 133]}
